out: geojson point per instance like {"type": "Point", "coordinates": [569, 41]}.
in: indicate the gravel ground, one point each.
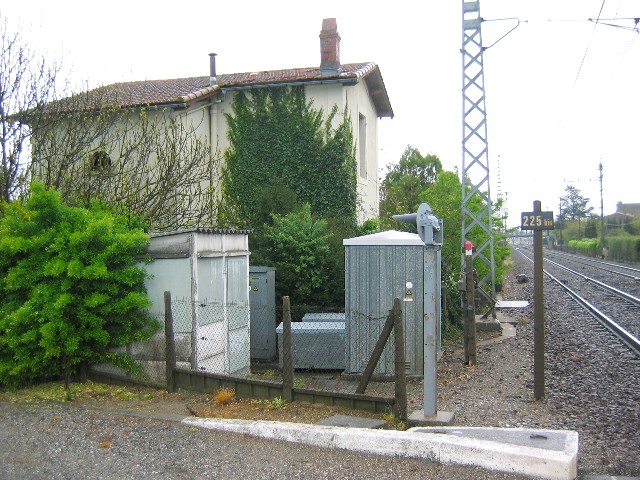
{"type": "Point", "coordinates": [592, 386]}
{"type": "Point", "coordinates": [62, 442]}
{"type": "Point", "coordinates": [592, 383]}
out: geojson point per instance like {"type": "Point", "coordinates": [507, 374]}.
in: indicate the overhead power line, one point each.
{"type": "Point", "coordinates": [589, 44]}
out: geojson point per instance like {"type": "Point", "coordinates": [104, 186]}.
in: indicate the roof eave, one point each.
{"type": "Point", "coordinates": [378, 92]}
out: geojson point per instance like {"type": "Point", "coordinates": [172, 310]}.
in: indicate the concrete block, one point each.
{"type": "Point", "coordinates": [550, 454]}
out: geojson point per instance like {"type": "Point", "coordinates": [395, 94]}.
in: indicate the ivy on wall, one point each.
{"type": "Point", "coordinates": [277, 137]}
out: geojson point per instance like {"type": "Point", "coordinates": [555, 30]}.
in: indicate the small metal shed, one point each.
{"type": "Point", "coordinates": [209, 269]}
{"type": "Point", "coordinates": [379, 268]}
{"type": "Point", "coordinates": [262, 282]}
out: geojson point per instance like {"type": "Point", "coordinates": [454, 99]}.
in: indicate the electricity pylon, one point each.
{"type": "Point", "coordinates": [475, 159]}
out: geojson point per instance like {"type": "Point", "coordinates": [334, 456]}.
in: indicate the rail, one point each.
{"type": "Point", "coordinates": [626, 337]}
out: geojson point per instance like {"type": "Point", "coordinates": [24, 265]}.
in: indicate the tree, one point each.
{"type": "Point", "coordinates": [404, 182]}
{"type": "Point", "coordinates": [445, 199]}
{"type": "Point", "coordinates": [574, 205]}
{"type": "Point", "coordinates": [298, 246]}
{"type": "Point", "coordinates": [27, 83]}
{"type": "Point", "coordinates": [148, 162]}
{"type": "Point", "coordinates": [591, 228]}
{"type": "Point", "coordinates": [70, 288]}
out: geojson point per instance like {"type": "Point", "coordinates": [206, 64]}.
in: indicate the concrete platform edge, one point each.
{"type": "Point", "coordinates": [538, 462]}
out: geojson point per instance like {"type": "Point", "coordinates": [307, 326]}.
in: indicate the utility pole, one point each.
{"type": "Point", "coordinates": [601, 214]}
{"type": "Point", "coordinates": [561, 222]}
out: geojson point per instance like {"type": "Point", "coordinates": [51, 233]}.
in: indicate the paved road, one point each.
{"type": "Point", "coordinates": [51, 441]}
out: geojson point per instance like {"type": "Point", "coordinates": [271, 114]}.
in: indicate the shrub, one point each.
{"type": "Point", "coordinates": [70, 290]}
{"type": "Point", "coordinates": [298, 246]}
{"type": "Point", "coordinates": [587, 246]}
{"type": "Point", "coordinates": [624, 249]}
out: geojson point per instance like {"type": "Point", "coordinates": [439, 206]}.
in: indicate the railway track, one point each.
{"type": "Point", "coordinates": [615, 309]}
{"type": "Point", "coordinates": [626, 277]}
{"type": "Point", "coordinates": [592, 378]}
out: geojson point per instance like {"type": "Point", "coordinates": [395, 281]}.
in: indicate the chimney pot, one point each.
{"type": "Point", "coordinates": [212, 70]}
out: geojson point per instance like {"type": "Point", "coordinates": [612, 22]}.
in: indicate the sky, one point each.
{"type": "Point", "coordinates": [561, 91]}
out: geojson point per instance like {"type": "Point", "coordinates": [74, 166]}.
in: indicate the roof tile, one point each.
{"type": "Point", "coordinates": [185, 90]}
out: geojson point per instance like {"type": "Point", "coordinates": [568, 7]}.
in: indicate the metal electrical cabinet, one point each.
{"type": "Point", "coordinates": [316, 345]}
{"type": "Point", "coordinates": [379, 268]}
{"type": "Point", "coordinates": [207, 269]}
{"type": "Point", "coordinates": [262, 296]}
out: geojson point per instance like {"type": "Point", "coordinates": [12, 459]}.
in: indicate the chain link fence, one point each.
{"type": "Point", "coordinates": [323, 350]}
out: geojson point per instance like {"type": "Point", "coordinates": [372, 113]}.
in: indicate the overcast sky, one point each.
{"type": "Point", "coordinates": [561, 92]}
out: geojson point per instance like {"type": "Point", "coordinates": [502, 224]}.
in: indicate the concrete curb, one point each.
{"type": "Point", "coordinates": [501, 449]}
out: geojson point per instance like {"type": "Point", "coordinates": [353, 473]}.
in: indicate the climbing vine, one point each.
{"type": "Point", "coordinates": [277, 137]}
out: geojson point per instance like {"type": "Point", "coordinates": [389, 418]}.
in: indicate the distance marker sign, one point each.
{"type": "Point", "coordinates": [536, 221]}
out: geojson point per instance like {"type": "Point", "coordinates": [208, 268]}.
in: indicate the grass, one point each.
{"type": "Point", "coordinates": [55, 392]}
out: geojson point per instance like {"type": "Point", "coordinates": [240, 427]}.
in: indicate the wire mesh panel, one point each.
{"type": "Point", "coordinates": [222, 347]}
{"type": "Point", "coordinates": [319, 351]}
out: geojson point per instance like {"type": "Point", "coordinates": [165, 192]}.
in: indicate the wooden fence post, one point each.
{"type": "Point", "coordinates": [400, 367]}
{"type": "Point", "coordinates": [287, 358]}
{"type": "Point", "coordinates": [470, 349]}
{"type": "Point", "coordinates": [170, 345]}
{"type": "Point", "coordinates": [376, 354]}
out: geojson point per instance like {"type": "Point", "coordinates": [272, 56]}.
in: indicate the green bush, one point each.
{"type": "Point", "coordinates": [587, 246]}
{"type": "Point", "coordinates": [298, 246]}
{"type": "Point", "coordinates": [624, 249]}
{"type": "Point", "coordinates": [70, 290]}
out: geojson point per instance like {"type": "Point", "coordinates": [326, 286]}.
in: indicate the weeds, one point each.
{"type": "Point", "coordinates": [274, 403]}
{"type": "Point", "coordinates": [223, 396]}
{"type": "Point", "coordinates": [399, 424]}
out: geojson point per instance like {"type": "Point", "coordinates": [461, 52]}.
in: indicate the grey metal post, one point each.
{"type": "Point", "coordinates": [195, 312]}
{"type": "Point", "coordinates": [430, 316]}
{"type": "Point", "coordinates": [601, 215]}
{"type": "Point", "coordinates": [431, 232]}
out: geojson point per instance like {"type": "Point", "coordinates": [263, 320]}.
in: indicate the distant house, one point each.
{"type": "Point", "coordinates": [625, 214]}
{"type": "Point", "coordinates": [628, 208]}
{"type": "Point", "coordinates": [204, 101]}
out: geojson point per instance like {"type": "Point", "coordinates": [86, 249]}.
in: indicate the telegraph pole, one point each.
{"type": "Point", "coordinates": [601, 214]}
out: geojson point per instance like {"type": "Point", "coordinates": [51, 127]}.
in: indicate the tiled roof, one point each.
{"type": "Point", "coordinates": [185, 90]}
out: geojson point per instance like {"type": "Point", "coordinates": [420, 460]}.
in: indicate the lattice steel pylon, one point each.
{"type": "Point", "coordinates": [475, 158]}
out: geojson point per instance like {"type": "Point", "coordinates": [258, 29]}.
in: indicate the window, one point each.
{"type": "Point", "coordinates": [99, 160]}
{"type": "Point", "coordinates": [362, 144]}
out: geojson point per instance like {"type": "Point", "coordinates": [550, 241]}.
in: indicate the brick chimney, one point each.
{"type": "Point", "coordinates": [329, 47]}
